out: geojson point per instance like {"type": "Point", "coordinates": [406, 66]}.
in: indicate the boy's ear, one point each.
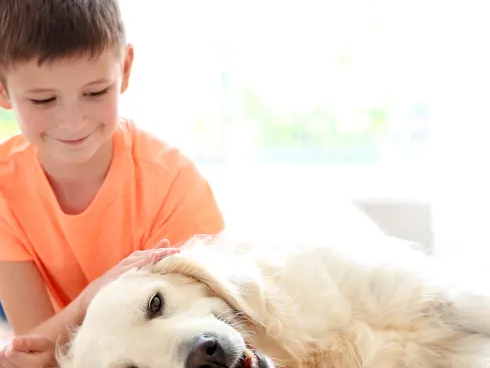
{"type": "Point", "coordinates": [128, 64]}
{"type": "Point", "coordinates": [4, 98]}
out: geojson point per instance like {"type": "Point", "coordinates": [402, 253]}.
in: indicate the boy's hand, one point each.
{"type": "Point", "coordinates": [32, 351]}
{"type": "Point", "coordinates": [138, 259]}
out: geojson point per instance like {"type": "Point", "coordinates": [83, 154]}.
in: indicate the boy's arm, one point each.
{"type": "Point", "coordinates": [27, 304]}
{"type": "Point", "coordinates": [24, 297]}
{"type": "Point", "coordinates": [22, 290]}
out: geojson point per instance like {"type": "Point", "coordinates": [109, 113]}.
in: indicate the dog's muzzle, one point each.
{"type": "Point", "coordinates": [207, 352]}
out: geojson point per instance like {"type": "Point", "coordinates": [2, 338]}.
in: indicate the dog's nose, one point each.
{"type": "Point", "coordinates": [206, 352]}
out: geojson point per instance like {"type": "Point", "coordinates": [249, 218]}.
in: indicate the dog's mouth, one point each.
{"type": "Point", "coordinates": [252, 359]}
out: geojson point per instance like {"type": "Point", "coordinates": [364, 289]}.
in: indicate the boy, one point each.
{"type": "Point", "coordinates": [82, 191]}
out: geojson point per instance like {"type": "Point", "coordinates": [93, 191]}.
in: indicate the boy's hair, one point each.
{"type": "Point", "coordinates": [52, 29]}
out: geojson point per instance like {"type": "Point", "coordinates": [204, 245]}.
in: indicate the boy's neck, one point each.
{"type": "Point", "coordinates": [75, 186]}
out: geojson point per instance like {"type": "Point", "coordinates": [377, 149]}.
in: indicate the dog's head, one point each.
{"type": "Point", "coordinates": [184, 312]}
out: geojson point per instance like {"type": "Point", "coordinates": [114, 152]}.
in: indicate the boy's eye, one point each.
{"type": "Point", "coordinates": [48, 100]}
{"type": "Point", "coordinates": [98, 93]}
{"type": "Point", "coordinates": [44, 101]}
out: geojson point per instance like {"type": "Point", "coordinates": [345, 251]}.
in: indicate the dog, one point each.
{"type": "Point", "coordinates": [344, 302]}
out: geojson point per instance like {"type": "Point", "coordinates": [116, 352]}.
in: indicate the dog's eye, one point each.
{"type": "Point", "coordinates": [155, 306]}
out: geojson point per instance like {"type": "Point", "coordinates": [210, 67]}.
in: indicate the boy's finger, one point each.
{"type": "Point", "coordinates": [22, 359]}
{"type": "Point", "coordinates": [143, 260]}
{"type": "Point", "coordinates": [152, 257]}
{"type": "Point", "coordinates": [18, 343]}
{"type": "Point", "coordinates": [147, 254]}
{"type": "Point", "coordinates": [164, 243]}
{"type": "Point", "coordinates": [164, 252]}
{"type": "Point", "coordinates": [32, 343]}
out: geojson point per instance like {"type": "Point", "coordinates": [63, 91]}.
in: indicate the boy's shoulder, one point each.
{"type": "Point", "coordinates": [14, 152]}
{"type": "Point", "coordinates": [149, 151]}
{"type": "Point", "coordinates": [13, 146]}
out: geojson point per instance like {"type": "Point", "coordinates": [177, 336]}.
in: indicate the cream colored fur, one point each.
{"type": "Point", "coordinates": [344, 302]}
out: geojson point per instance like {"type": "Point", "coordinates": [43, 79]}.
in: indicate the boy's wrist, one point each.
{"type": "Point", "coordinates": [78, 308]}
{"type": "Point", "coordinates": [58, 328]}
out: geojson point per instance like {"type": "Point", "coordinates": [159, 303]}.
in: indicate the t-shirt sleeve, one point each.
{"type": "Point", "coordinates": [189, 209]}
{"type": "Point", "coordinates": [11, 245]}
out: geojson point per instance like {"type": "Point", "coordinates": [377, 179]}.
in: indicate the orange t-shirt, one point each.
{"type": "Point", "coordinates": [151, 192]}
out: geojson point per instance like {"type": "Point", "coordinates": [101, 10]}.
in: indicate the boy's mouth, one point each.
{"type": "Point", "coordinates": [74, 141]}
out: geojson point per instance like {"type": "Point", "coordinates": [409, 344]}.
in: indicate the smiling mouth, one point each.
{"type": "Point", "coordinates": [74, 142]}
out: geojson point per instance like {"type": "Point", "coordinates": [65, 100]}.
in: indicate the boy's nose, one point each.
{"type": "Point", "coordinates": [72, 121]}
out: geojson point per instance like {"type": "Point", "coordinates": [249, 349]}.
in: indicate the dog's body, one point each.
{"type": "Point", "coordinates": [335, 305]}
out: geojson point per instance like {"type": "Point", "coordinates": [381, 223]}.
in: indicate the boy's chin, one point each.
{"type": "Point", "coordinates": [95, 145]}
{"type": "Point", "coordinates": [97, 155]}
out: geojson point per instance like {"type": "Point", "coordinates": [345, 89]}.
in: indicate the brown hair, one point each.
{"type": "Point", "coordinates": [52, 29]}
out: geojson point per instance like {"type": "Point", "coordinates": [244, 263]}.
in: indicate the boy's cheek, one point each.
{"type": "Point", "coordinates": [32, 123]}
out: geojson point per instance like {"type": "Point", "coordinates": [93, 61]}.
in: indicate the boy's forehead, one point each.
{"type": "Point", "coordinates": [75, 71]}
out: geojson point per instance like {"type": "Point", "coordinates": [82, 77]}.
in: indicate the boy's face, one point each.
{"type": "Point", "coordinates": [68, 109]}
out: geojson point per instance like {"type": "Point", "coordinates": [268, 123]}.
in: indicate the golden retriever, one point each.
{"type": "Point", "coordinates": [227, 303]}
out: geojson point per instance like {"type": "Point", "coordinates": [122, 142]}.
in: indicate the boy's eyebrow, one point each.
{"type": "Point", "coordinates": [39, 90]}
{"type": "Point", "coordinates": [97, 81]}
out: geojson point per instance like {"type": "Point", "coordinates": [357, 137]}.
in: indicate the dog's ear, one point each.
{"type": "Point", "coordinates": [233, 278]}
